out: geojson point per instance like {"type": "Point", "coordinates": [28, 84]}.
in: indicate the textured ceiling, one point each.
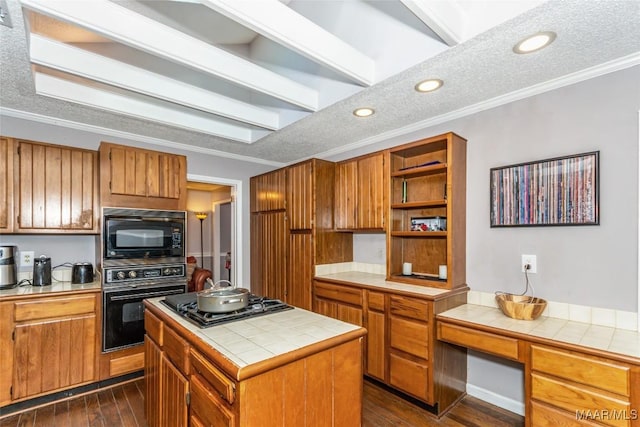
{"type": "Point", "coordinates": [483, 68]}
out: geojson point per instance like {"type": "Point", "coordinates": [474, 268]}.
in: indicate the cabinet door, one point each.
{"type": "Point", "coordinates": [271, 253]}
{"type": "Point", "coordinates": [6, 185]}
{"type": "Point", "coordinates": [268, 191]}
{"type": "Point", "coordinates": [57, 188]}
{"type": "Point", "coordinates": [370, 204]}
{"type": "Point", "coordinates": [207, 408]}
{"type": "Point", "coordinates": [346, 194]}
{"type": "Point", "coordinates": [137, 178]}
{"type": "Point", "coordinates": [300, 274]}
{"type": "Point", "coordinates": [53, 354]}
{"type": "Point", "coordinates": [152, 397]}
{"type": "Point", "coordinates": [175, 388]}
{"type": "Point", "coordinates": [376, 337]}
{"type": "Point", "coordinates": [300, 195]}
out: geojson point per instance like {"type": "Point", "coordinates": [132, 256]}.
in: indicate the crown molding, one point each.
{"type": "Point", "coordinates": [9, 112]}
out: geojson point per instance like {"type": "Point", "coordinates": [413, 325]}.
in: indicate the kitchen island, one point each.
{"type": "Point", "coordinates": [293, 368]}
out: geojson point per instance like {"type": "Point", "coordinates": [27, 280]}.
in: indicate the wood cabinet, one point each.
{"type": "Point", "coordinates": [137, 178]}
{"type": "Point", "coordinates": [307, 389]}
{"type": "Point", "coordinates": [567, 384]}
{"type": "Point", "coordinates": [47, 188]}
{"type": "Point", "coordinates": [361, 193]}
{"type": "Point", "coordinates": [428, 186]}
{"type": "Point", "coordinates": [7, 148]}
{"type": "Point", "coordinates": [292, 230]}
{"type": "Point", "coordinates": [166, 384]}
{"type": "Point", "coordinates": [49, 344]}
{"type": "Point", "coordinates": [401, 350]}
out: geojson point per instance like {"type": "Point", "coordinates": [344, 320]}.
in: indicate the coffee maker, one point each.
{"type": "Point", "coordinates": [8, 271]}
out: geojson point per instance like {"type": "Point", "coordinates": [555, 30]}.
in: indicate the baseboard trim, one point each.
{"type": "Point", "coordinates": [496, 399]}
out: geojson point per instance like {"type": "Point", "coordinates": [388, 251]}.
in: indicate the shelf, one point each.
{"type": "Point", "coordinates": [419, 234]}
{"type": "Point", "coordinates": [420, 204]}
{"type": "Point", "coordinates": [430, 277]}
{"type": "Point", "coordinates": [420, 171]}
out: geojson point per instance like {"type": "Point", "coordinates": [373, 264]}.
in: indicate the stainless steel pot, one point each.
{"type": "Point", "coordinates": [223, 300]}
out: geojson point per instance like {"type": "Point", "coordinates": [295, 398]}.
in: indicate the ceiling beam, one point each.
{"type": "Point", "coordinates": [280, 23]}
{"type": "Point", "coordinates": [132, 29]}
{"type": "Point", "coordinates": [63, 57]}
{"type": "Point", "coordinates": [65, 90]}
{"type": "Point", "coordinates": [445, 18]}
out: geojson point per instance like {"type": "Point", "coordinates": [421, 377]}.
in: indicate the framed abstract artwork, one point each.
{"type": "Point", "coordinates": [558, 191]}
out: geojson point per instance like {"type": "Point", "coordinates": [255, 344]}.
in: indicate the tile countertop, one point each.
{"type": "Point", "coordinates": [246, 342]}
{"type": "Point", "coordinates": [55, 287]}
{"type": "Point", "coordinates": [379, 281]}
{"type": "Point", "coordinates": [602, 338]}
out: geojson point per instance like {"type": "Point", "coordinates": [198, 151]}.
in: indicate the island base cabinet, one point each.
{"type": "Point", "coordinates": [322, 389]}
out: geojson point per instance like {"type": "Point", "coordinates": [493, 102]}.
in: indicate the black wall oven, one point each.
{"type": "Point", "coordinates": [123, 324]}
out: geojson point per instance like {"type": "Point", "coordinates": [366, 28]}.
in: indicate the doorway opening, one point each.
{"type": "Point", "coordinates": [214, 226]}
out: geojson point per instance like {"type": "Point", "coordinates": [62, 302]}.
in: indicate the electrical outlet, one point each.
{"type": "Point", "coordinates": [529, 260]}
{"type": "Point", "coordinates": [26, 258]}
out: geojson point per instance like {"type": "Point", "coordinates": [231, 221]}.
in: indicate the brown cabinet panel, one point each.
{"type": "Point", "coordinates": [409, 307]}
{"type": "Point", "coordinates": [346, 194]}
{"type": "Point", "coordinates": [54, 307]}
{"type": "Point", "coordinates": [360, 193]}
{"type": "Point", "coordinates": [376, 351]}
{"type": "Point", "coordinates": [409, 376]}
{"type": "Point", "coordinates": [214, 377]}
{"type": "Point", "coordinates": [409, 336]}
{"type": "Point", "coordinates": [269, 254]}
{"type": "Point", "coordinates": [53, 354]}
{"type": "Point", "coordinates": [300, 196]}
{"type": "Point", "coordinates": [300, 274]}
{"type": "Point", "coordinates": [7, 149]}
{"type": "Point", "coordinates": [175, 387]}
{"type": "Point", "coordinates": [152, 396]}
{"type": "Point", "coordinates": [338, 293]}
{"type": "Point", "coordinates": [547, 416]}
{"type": "Point", "coordinates": [57, 188]}
{"type": "Point", "coordinates": [207, 407]}
{"type": "Point", "coordinates": [478, 340]}
{"type": "Point", "coordinates": [138, 178]}
{"type": "Point", "coordinates": [268, 191]}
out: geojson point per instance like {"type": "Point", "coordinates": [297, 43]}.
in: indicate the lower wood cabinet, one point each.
{"type": "Point", "coordinates": [50, 344]}
{"type": "Point", "coordinates": [401, 350]}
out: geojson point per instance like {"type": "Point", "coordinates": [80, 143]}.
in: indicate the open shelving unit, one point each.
{"type": "Point", "coordinates": [428, 183]}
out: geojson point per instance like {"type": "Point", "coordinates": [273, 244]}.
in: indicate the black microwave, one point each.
{"type": "Point", "coordinates": [138, 233]}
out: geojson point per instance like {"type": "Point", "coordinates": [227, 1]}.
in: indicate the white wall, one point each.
{"type": "Point", "coordinates": [586, 265]}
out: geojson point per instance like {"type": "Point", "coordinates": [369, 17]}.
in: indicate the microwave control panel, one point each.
{"type": "Point", "coordinates": [127, 274]}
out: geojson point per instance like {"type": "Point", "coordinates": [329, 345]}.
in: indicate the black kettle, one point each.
{"type": "Point", "coordinates": [82, 272]}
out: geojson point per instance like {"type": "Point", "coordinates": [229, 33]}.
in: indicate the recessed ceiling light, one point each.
{"type": "Point", "coordinates": [535, 42]}
{"type": "Point", "coordinates": [363, 112]}
{"type": "Point", "coordinates": [429, 85]}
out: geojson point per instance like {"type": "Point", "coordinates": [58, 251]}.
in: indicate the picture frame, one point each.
{"type": "Point", "coordinates": [556, 191]}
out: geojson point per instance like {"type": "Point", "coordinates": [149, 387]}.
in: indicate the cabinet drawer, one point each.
{"type": "Point", "coordinates": [409, 376]}
{"type": "Point", "coordinates": [153, 327]}
{"type": "Point", "coordinates": [124, 365]}
{"type": "Point", "coordinates": [478, 340]}
{"type": "Point", "coordinates": [206, 407]}
{"type": "Point", "coordinates": [572, 397]}
{"type": "Point", "coordinates": [338, 293]}
{"type": "Point", "coordinates": [409, 307]}
{"type": "Point", "coordinates": [54, 307]}
{"type": "Point", "coordinates": [546, 416]}
{"type": "Point", "coordinates": [582, 369]}
{"type": "Point", "coordinates": [218, 381]}
{"type": "Point", "coordinates": [375, 301]}
{"type": "Point", "coordinates": [177, 350]}
{"type": "Point", "coordinates": [410, 337]}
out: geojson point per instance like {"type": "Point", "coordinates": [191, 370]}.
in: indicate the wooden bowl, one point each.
{"type": "Point", "coordinates": [521, 307]}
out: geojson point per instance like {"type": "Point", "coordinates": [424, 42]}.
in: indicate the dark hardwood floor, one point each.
{"type": "Point", "coordinates": [123, 405]}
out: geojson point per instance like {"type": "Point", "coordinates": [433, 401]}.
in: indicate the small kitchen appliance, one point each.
{"type": "Point", "coordinates": [82, 272]}
{"type": "Point", "coordinates": [42, 271]}
{"type": "Point", "coordinates": [8, 273]}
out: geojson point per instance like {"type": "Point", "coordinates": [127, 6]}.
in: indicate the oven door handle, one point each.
{"type": "Point", "coordinates": [145, 295]}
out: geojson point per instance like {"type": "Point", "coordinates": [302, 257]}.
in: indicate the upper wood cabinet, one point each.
{"type": "Point", "coordinates": [360, 193]}
{"type": "Point", "coordinates": [268, 191]}
{"type": "Point", "coordinates": [138, 178]}
{"type": "Point", "coordinates": [56, 189]}
{"type": "Point", "coordinates": [7, 148]}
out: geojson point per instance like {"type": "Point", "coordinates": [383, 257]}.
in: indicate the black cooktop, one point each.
{"type": "Point", "coordinates": [186, 305]}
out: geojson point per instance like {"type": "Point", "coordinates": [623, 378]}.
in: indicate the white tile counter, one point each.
{"type": "Point", "coordinates": [249, 341]}
{"type": "Point", "coordinates": [374, 280]}
{"type": "Point", "coordinates": [589, 336]}
{"type": "Point", "coordinates": [54, 288]}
